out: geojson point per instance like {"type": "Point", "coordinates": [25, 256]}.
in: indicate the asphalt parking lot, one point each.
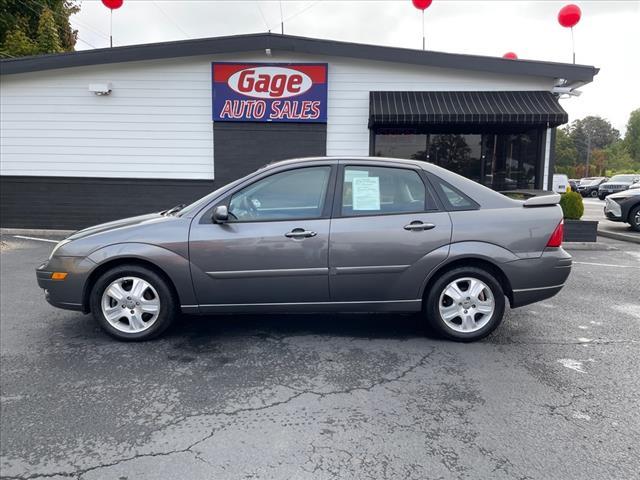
{"type": "Point", "coordinates": [553, 394]}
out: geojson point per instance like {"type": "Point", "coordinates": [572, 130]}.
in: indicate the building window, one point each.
{"type": "Point", "coordinates": [502, 161]}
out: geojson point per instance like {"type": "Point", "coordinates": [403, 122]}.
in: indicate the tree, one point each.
{"type": "Point", "coordinates": [48, 39]}
{"type": "Point", "coordinates": [18, 44]}
{"type": "Point", "coordinates": [632, 137]}
{"type": "Point", "coordinates": [618, 159]}
{"type": "Point", "coordinates": [566, 152]}
{"type": "Point", "coordinates": [25, 15]}
{"type": "Point", "coordinates": [592, 132]}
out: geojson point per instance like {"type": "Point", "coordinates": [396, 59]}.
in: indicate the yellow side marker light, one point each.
{"type": "Point", "coordinates": [58, 275]}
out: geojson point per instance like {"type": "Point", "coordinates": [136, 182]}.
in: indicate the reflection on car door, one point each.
{"type": "Point", "coordinates": [386, 235]}
{"type": "Point", "coordinates": [274, 249]}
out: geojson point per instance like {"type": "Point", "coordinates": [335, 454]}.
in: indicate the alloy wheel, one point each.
{"type": "Point", "coordinates": [130, 304]}
{"type": "Point", "coordinates": [466, 305]}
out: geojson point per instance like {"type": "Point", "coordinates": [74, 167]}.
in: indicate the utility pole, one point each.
{"type": "Point", "coordinates": [588, 153]}
{"type": "Point", "coordinates": [281, 20]}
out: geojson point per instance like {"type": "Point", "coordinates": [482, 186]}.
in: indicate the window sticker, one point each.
{"type": "Point", "coordinates": [366, 193]}
{"type": "Point", "coordinates": [349, 175]}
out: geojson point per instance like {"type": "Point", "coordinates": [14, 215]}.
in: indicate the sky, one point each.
{"type": "Point", "coordinates": [607, 36]}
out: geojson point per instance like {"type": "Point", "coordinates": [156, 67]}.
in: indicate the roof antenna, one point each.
{"type": "Point", "coordinates": [281, 20]}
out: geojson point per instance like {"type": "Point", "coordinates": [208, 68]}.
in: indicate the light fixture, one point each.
{"type": "Point", "coordinates": [569, 91]}
{"type": "Point", "coordinates": [100, 89]}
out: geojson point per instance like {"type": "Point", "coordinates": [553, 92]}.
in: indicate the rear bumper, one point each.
{"type": "Point", "coordinates": [536, 279]}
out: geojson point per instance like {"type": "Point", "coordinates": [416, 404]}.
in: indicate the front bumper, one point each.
{"type": "Point", "coordinates": [67, 293]}
{"type": "Point", "coordinates": [584, 191]}
{"type": "Point", "coordinates": [612, 210]}
{"type": "Point", "coordinates": [536, 279]}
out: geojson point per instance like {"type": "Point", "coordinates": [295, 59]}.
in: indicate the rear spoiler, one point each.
{"type": "Point", "coordinates": [542, 201]}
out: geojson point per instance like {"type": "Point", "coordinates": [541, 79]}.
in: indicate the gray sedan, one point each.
{"type": "Point", "coordinates": [319, 235]}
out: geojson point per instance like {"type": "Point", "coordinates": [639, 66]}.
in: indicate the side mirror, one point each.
{"type": "Point", "coordinates": [220, 214]}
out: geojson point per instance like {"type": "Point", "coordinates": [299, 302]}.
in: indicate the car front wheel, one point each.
{"type": "Point", "coordinates": [634, 218]}
{"type": "Point", "coordinates": [465, 304]}
{"type": "Point", "coordinates": [132, 303]}
{"type": "Point", "coordinates": [601, 196]}
{"type": "Point", "coordinates": [593, 193]}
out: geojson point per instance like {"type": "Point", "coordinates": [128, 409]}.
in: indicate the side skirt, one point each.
{"type": "Point", "coordinates": [309, 307]}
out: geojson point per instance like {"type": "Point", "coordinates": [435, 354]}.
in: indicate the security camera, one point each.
{"type": "Point", "coordinates": [566, 91]}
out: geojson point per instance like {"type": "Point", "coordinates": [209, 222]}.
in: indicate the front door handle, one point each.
{"type": "Point", "coordinates": [418, 226]}
{"type": "Point", "coordinates": [300, 233]}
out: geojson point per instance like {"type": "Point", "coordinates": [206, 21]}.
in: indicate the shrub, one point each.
{"type": "Point", "coordinates": [572, 206]}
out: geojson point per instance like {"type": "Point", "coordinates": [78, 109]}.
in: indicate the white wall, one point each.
{"type": "Point", "coordinates": [157, 121]}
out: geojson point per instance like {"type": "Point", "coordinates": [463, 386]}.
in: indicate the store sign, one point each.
{"type": "Point", "coordinates": [270, 92]}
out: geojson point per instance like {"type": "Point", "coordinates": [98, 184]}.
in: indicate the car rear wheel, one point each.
{"type": "Point", "coordinates": [465, 304]}
{"type": "Point", "coordinates": [593, 193]}
{"type": "Point", "coordinates": [634, 218]}
{"type": "Point", "coordinates": [132, 303]}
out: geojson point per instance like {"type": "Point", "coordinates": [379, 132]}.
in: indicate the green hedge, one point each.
{"type": "Point", "coordinates": [572, 206]}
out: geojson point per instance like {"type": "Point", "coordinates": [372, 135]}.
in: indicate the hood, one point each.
{"type": "Point", "coordinates": [116, 224]}
{"type": "Point", "coordinates": [634, 192]}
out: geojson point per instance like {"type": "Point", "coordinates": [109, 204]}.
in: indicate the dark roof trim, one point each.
{"type": "Point", "coordinates": [261, 41]}
{"type": "Point", "coordinates": [465, 108]}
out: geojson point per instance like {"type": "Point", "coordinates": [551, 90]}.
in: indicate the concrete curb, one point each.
{"type": "Point", "coordinates": [35, 231]}
{"type": "Point", "coordinates": [619, 236]}
{"type": "Point", "coordinates": [591, 246]}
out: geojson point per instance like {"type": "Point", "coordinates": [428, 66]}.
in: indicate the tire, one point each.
{"type": "Point", "coordinates": [152, 301]}
{"type": "Point", "coordinates": [483, 323]}
{"type": "Point", "coordinates": [593, 193]}
{"type": "Point", "coordinates": [634, 218]}
{"type": "Point", "coordinates": [601, 196]}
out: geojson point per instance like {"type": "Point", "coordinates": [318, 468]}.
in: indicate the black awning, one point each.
{"type": "Point", "coordinates": [470, 108]}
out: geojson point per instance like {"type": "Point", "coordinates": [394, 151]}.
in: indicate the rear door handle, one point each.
{"type": "Point", "coordinates": [418, 226]}
{"type": "Point", "coordinates": [300, 233]}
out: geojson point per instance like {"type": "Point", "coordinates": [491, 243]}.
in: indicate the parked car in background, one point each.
{"type": "Point", "coordinates": [573, 183]}
{"type": "Point", "coordinates": [634, 186]}
{"type": "Point", "coordinates": [588, 187]}
{"type": "Point", "coordinates": [560, 183]}
{"type": "Point", "coordinates": [319, 235]}
{"type": "Point", "coordinates": [617, 183]}
{"type": "Point", "coordinates": [624, 207]}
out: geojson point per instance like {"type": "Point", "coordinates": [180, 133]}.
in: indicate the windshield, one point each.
{"type": "Point", "coordinates": [622, 178]}
{"type": "Point", "coordinates": [590, 181]}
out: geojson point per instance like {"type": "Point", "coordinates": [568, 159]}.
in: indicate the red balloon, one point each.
{"type": "Point", "coordinates": [112, 4]}
{"type": "Point", "coordinates": [421, 4]}
{"type": "Point", "coordinates": [569, 15]}
{"type": "Point", "coordinates": [510, 56]}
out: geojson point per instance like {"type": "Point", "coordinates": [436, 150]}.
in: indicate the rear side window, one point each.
{"type": "Point", "coordinates": [383, 190]}
{"type": "Point", "coordinates": [453, 198]}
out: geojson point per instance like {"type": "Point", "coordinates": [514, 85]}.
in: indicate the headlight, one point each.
{"type": "Point", "coordinates": [623, 196]}
{"type": "Point", "coordinates": [58, 245]}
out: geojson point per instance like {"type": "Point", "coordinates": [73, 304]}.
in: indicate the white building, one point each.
{"type": "Point", "coordinates": [96, 135]}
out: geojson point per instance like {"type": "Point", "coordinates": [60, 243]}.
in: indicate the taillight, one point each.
{"type": "Point", "coordinates": [555, 240]}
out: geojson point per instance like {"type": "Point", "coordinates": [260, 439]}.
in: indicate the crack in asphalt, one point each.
{"type": "Point", "coordinates": [79, 474]}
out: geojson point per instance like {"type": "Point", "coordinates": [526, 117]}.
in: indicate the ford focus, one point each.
{"type": "Point", "coordinates": [319, 235]}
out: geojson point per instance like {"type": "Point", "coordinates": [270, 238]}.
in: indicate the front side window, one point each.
{"type": "Point", "coordinates": [382, 190]}
{"type": "Point", "coordinates": [293, 194]}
